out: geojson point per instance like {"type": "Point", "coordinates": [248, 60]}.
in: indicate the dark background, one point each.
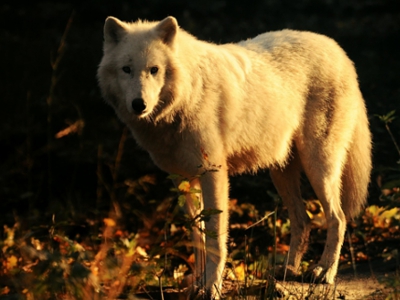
{"type": "Point", "coordinates": [72, 177]}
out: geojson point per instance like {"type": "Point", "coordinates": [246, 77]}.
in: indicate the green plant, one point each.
{"type": "Point", "coordinates": [386, 119]}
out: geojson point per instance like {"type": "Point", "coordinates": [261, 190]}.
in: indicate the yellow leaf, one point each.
{"type": "Point", "coordinates": [181, 200]}
{"type": "Point", "coordinates": [12, 262]}
{"type": "Point", "coordinates": [196, 201]}
{"type": "Point", "coordinates": [388, 214]}
{"type": "Point", "coordinates": [179, 272]}
{"type": "Point", "coordinates": [374, 210]}
{"type": "Point", "coordinates": [240, 271]}
{"type": "Point", "coordinates": [184, 186]}
{"type": "Point", "coordinates": [9, 242]}
{"type": "Point", "coordinates": [304, 266]}
{"type": "Point", "coordinates": [142, 252]}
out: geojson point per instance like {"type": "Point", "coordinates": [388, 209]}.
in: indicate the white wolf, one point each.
{"type": "Point", "coordinates": [286, 100]}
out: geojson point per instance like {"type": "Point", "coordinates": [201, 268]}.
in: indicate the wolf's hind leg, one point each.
{"type": "Point", "coordinates": [324, 170]}
{"type": "Point", "coordinates": [287, 183]}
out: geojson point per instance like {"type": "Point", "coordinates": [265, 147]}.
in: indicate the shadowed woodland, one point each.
{"type": "Point", "coordinates": [85, 214]}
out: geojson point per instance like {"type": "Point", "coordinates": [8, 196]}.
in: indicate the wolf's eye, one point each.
{"type": "Point", "coordinates": [126, 69]}
{"type": "Point", "coordinates": [153, 70]}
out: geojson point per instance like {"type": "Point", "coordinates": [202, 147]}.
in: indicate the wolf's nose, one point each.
{"type": "Point", "coordinates": [138, 105]}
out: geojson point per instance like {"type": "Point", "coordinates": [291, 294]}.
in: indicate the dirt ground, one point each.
{"type": "Point", "coordinates": [372, 281]}
{"type": "Point", "coordinates": [347, 287]}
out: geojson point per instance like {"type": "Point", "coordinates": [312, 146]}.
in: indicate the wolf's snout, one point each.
{"type": "Point", "coordinates": [138, 105]}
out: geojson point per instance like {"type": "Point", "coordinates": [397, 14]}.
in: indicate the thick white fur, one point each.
{"type": "Point", "coordinates": [286, 100]}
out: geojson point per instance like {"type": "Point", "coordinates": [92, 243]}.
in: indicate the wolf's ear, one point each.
{"type": "Point", "coordinates": [114, 30]}
{"type": "Point", "coordinates": [167, 30]}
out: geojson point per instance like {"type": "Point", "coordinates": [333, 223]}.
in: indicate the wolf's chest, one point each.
{"type": "Point", "coordinates": [172, 150]}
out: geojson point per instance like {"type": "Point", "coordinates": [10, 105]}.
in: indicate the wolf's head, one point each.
{"type": "Point", "coordinates": [137, 68]}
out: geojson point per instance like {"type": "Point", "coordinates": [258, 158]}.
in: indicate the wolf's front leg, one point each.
{"type": "Point", "coordinates": [194, 205]}
{"type": "Point", "coordinates": [215, 188]}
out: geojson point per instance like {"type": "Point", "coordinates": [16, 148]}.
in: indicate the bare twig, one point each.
{"type": "Point", "coordinates": [392, 137]}
{"type": "Point", "coordinates": [50, 99]}
{"type": "Point", "coordinates": [120, 152]}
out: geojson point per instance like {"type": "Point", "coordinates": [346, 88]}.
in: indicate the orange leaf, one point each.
{"type": "Point", "coordinates": [109, 222]}
{"type": "Point", "coordinates": [5, 290]}
{"type": "Point", "coordinates": [191, 258]}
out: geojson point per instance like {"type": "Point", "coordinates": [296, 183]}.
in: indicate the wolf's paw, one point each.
{"type": "Point", "coordinates": [287, 273]}
{"type": "Point", "coordinates": [319, 274]}
{"type": "Point", "coordinates": [195, 290]}
{"type": "Point", "coordinates": [191, 287]}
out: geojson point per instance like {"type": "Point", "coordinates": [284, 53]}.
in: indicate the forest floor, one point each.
{"type": "Point", "coordinates": [371, 282]}
{"type": "Point", "coordinates": [374, 280]}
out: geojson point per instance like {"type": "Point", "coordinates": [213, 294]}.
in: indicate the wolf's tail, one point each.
{"type": "Point", "coordinates": [356, 172]}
